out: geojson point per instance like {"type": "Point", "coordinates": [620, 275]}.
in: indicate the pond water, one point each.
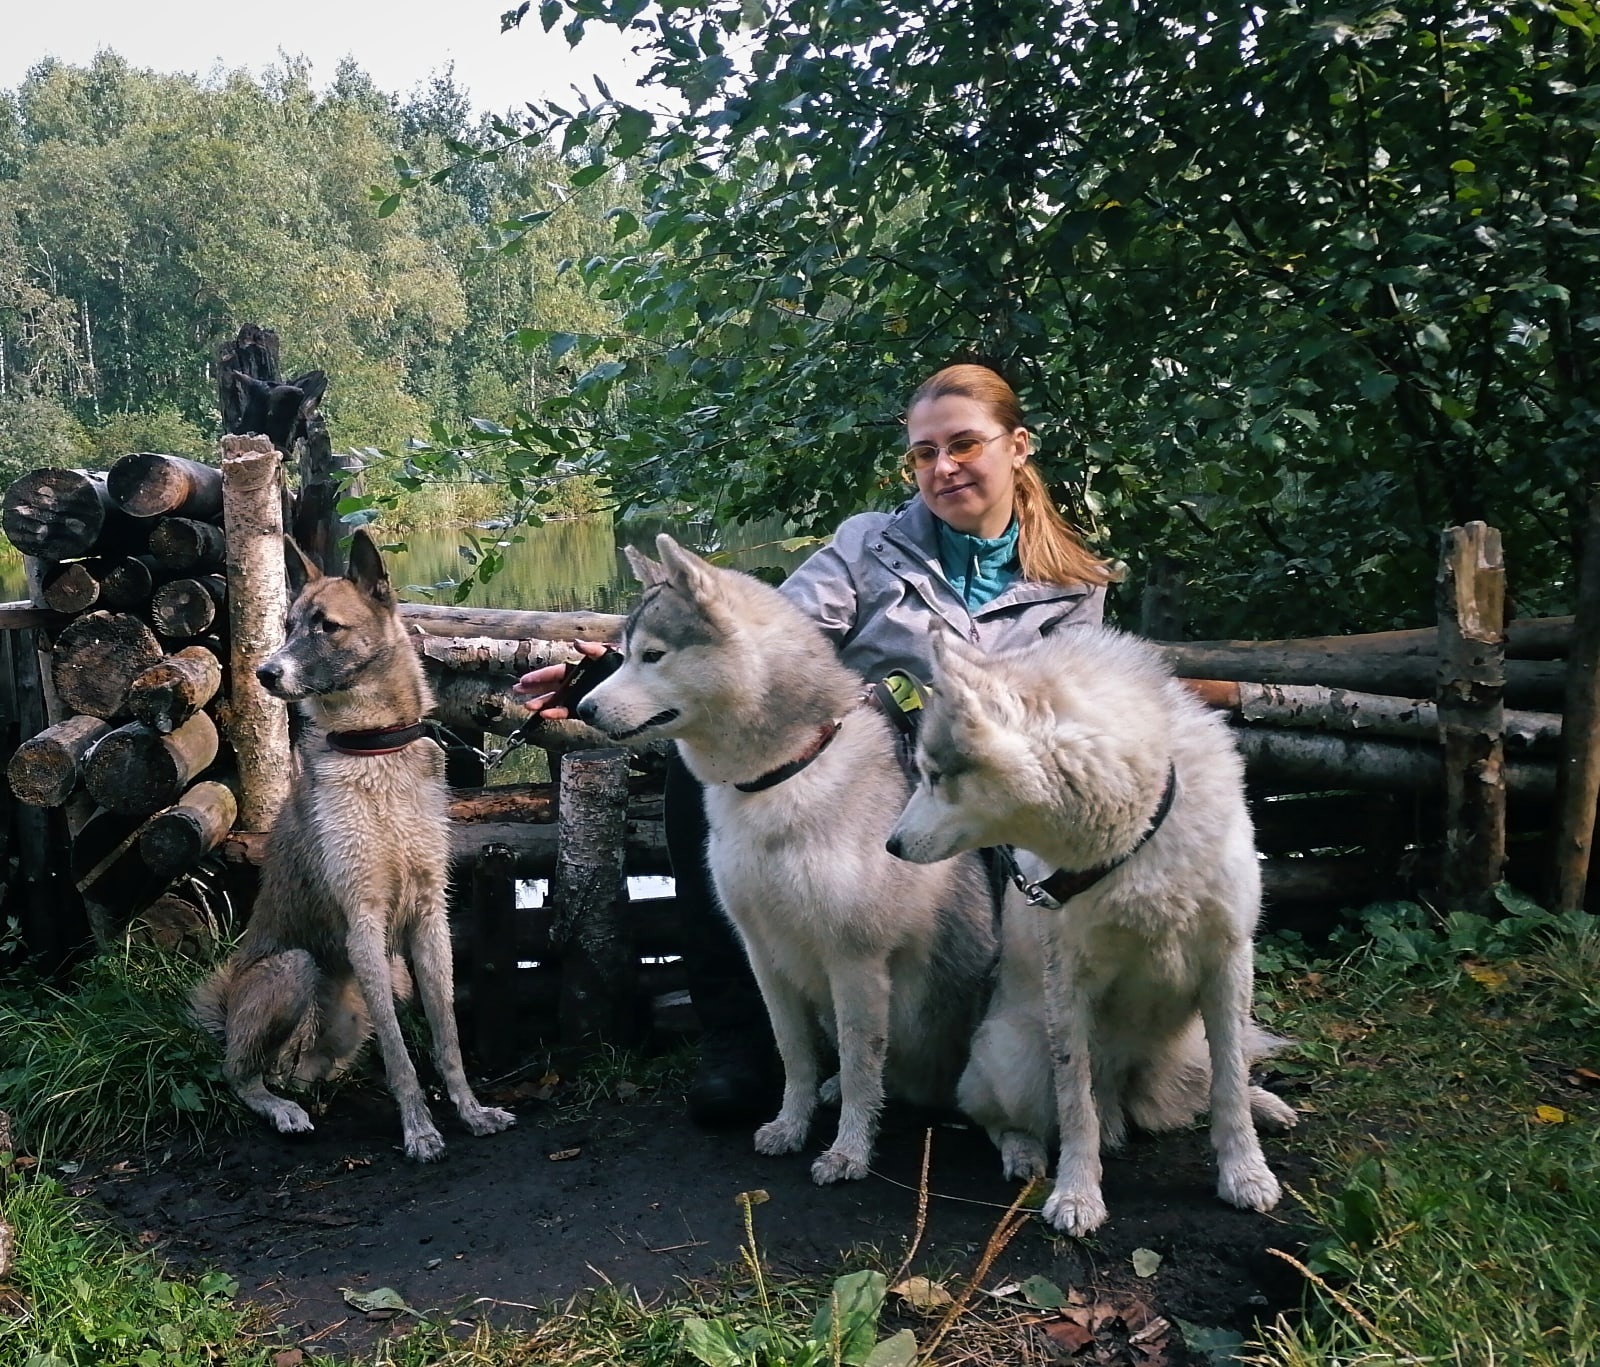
{"type": "Point", "coordinates": [571, 565]}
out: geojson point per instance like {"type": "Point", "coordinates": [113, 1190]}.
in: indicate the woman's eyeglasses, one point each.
{"type": "Point", "coordinates": [960, 450]}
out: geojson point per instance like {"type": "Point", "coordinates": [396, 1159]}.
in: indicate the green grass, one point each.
{"type": "Point", "coordinates": [78, 1295]}
{"type": "Point", "coordinates": [112, 1061]}
{"type": "Point", "coordinates": [1458, 1195]}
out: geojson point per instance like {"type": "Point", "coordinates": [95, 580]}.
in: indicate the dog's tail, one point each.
{"type": "Point", "coordinates": [1173, 1091]}
{"type": "Point", "coordinates": [208, 1003]}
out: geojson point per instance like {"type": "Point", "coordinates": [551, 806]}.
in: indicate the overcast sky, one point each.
{"type": "Point", "coordinates": [398, 42]}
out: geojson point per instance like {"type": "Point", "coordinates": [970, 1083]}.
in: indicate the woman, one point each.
{"type": "Point", "coordinates": [981, 550]}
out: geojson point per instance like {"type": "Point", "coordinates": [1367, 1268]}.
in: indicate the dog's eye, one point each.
{"type": "Point", "coordinates": [328, 624]}
{"type": "Point", "coordinates": [650, 657]}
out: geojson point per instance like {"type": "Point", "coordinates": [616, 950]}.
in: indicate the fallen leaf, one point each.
{"type": "Point", "coordinates": [921, 1293]}
{"type": "Point", "coordinates": [1489, 979]}
{"type": "Point", "coordinates": [1549, 1115]}
{"type": "Point", "coordinates": [1145, 1262]}
{"type": "Point", "coordinates": [1042, 1292]}
{"type": "Point", "coordinates": [550, 1079]}
{"type": "Point", "coordinates": [626, 1090]}
{"type": "Point", "coordinates": [1218, 1346]}
{"type": "Point", "coordinates": [561, 1155]}
{"type": "Point", "coordinates": [384, 1303]}
{"type": "Point", "coordinates": [351, 1163]}
{"type": "Point", "coordinates": [1009, 1289]}
{"type": "Point", "coordinates": [289, 1357]}
{"type": "Point", "coordinates": [147, 1237]}
{"type": "Point", "coordinates": [752, 1198]}
{"type": "Point", "coordinates": [1586, 1077]}
{"type": "Point", "coordinates": [1067, 1335]}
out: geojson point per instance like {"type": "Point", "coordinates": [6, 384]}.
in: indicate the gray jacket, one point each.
{"type": "Point", "coordinates": [878, 592]}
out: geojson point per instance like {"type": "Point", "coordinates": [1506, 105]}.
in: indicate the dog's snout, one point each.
{"type": "Point", "coordinates": [269, 675]}
{"type": "Point", "coordinates": [893, 845]}
{"type": "Point", "coordinates": [586, 711]}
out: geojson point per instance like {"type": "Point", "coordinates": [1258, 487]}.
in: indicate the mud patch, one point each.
{"type": "Point", "coordinates": [630, 1192]}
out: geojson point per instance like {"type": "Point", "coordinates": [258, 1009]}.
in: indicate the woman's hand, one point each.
{"type": "Point", "coordinates": [540, 686]}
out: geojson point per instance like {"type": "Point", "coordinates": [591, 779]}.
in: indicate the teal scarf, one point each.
{"type": "Point", "coordinates": [978, 568]}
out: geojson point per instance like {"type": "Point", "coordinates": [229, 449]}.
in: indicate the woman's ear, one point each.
{"type": "Point", "coordinates": [1022, 449]}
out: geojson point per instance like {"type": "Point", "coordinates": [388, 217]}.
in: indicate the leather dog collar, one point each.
{"type": "Point", "coordinates": [381, 740]}
{"type": "Point", "coordinates": [773, 777]}
{"type": "Point", "coordinates": [1060, 887]}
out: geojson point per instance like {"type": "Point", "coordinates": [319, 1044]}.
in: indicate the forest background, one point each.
{"type": "Point", "coordinates": [1287, 290]}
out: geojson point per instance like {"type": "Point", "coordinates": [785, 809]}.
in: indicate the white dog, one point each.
{"type": "Point", "coordinates": [1125, 995]}
{"type": "Point", "coordinates": [802, 786]}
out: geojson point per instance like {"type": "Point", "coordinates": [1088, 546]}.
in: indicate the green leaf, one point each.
{"type": "Point", "coordinates": [1043, 1293]}
{"type": "Point", "coordinates": [550, 14]}
{"type": "Point", "coordinates": [587, 175]}
{"type": "Point", "coordinates": [1463, 166]}
{"type": "Point", "coordinates": [851, 1310]}
{"type": "Point", "coordinates": [389, 205]}
{"type": "Point", "coordinates": [899, 1350]}
{"type": "Point", "coordinates": [1145, 1262]}
{"type": "Point", "coordinates": [712, 1342]}
{"type": "Point", "coordinates": [384, 1298]}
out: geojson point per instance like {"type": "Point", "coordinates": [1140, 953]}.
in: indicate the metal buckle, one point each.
{"type": "Point", "coordinates": [1035, 894]}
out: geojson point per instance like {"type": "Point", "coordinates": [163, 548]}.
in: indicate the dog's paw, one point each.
{"type": "Point", "coordinates": [481, 1120]}
{"type": "Point", "coordinates": [425, 1145]}
{"type": "Point", "coordinates": [1075, 1212]}
{"type": "Point", "coordinates": [828, 1093]}
{"type": "Point", "coordinates": [781, 1136]}
{"type": "Point", "coordinates": [1250, 1186]}
{"type": "Point", "coordinates": [835, 1165]}
{"type": "Point", "coordinates": [1022, 1157]}
{"type": "Point", "coordinates": [289, 1118]}
{"type": "Point", "coordinates": [1272, 1110]}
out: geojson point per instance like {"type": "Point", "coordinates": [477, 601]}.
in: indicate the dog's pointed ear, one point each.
{"type": "Point", "coordinates": [696, 580]}
{"type": "Point", "coordinates": [684, 567]}
{"type": "Point", "coordinates": [645, 570]}
{"type": "Point", "coordinates": [366, 570]}
{"type": "Point", "coordinates": [956, 664]}
{"type": "Point", "coordinates": [298, 568]}
{"type": "Point", "coordinates": [969, 679]}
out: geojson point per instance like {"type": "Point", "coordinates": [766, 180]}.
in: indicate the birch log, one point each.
{"type": "Point", "coordinates": [588, 893]}
{"type": "Point", "coordinates": [1472, 679]}
{"type": "Point", "coordinates": [258, 723]}
{"type": "Point", "coordinates": [488, 655]}
{"type": "Point", "coordinates": [1578, 772]}
{"type": "Point", "coordinates": [504, 624]}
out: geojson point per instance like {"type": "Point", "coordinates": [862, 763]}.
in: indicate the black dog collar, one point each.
{"type": "Point", "coordinates": [382, 740]}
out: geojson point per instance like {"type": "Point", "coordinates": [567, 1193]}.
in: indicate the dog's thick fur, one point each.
{"type": "Point", "coordinates": [889, 960]}
{"type": "Point", "coordinates": [1131, 1002]}
{"type": "Point", "coordinates": [354, 874]}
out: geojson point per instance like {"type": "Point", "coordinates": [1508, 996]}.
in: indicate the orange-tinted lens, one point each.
{"type": "Point", "coordinates": [965, 448]}
{"type": "Point", "coordinates": [921, 455]}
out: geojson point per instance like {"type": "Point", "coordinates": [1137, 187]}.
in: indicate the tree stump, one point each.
{"type": "Point", "coordinates": [1472, 676]}
{"type": "Point", "coordinates": [588, 894]}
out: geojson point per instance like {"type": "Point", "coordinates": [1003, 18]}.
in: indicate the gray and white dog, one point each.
{"type": "Point", "coordinates": [353, 880]}
{"type": "Point", "coordinates": [888, 960]}
{"type": "Point", "coordinates": [1131, 1000]}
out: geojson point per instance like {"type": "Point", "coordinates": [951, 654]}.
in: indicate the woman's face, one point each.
{"type": "Point", "coordinates": [973, 496]}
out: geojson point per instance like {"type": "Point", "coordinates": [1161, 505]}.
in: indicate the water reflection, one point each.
{"type": "Point", "coordinates": [558, 567]}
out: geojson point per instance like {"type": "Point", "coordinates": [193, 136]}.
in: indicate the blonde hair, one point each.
{"type": "Point", "coordinates": [1049, 548]}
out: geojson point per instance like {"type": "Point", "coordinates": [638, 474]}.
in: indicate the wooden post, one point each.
{"type": "Point", "coordinates": [597, 970]}
{"type": "Point", "coordinates": [493, 972]}
{"type": "Point", "coordinates": [1578, 769]}
{"type": "Point", "coordinates": [258, 724]}
{"type": "Point", "coordinates": [1471, 601]}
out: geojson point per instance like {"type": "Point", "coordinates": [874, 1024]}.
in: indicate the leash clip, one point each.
{"type": "Point", "coordinates": [1034, 893]}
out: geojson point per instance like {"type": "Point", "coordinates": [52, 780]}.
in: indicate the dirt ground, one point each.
{"type": "Point", "coordinates": [630, 1192]}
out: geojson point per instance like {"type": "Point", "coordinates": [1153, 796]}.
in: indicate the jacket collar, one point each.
{"type": "Point", "coordinates": [914, 536]}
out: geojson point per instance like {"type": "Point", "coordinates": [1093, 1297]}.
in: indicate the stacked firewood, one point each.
{"type": "Point", "coordinates": [133, 560]}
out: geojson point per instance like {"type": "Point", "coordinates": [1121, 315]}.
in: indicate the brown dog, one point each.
{"type": "Point", "coordinates": [353, 881]}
